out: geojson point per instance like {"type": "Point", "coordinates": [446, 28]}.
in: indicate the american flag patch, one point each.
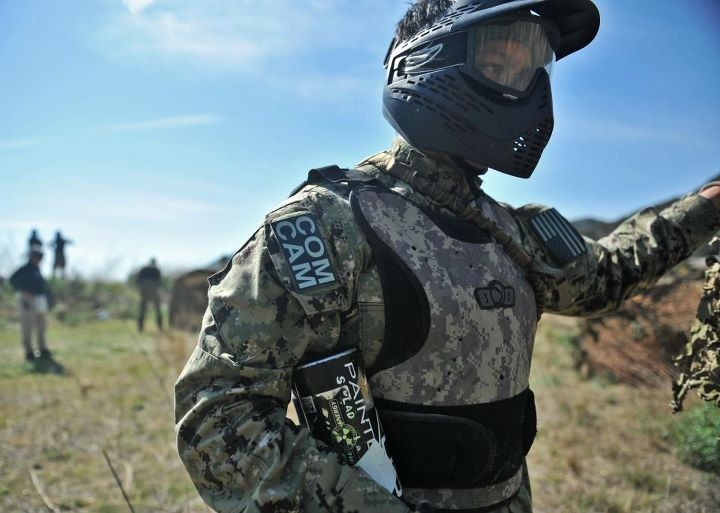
{"type": "Point", "coordinates": [560, 238]}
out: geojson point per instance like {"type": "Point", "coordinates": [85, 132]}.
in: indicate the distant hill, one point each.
{"type": "Point", "coordinates": [593, 228]}
{"type": "Point", "coordinates": [596, 229]}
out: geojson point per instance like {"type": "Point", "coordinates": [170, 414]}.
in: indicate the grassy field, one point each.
{"type": "Point", "coordinates": [110, 392]}
{"type": "Point", "coordinates": [602, 447]}
{"type": "Point", "coordinates": [607, 447]}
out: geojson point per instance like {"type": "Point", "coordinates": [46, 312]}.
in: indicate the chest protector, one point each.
{"type": "Point", "coordinates": [451, 380]}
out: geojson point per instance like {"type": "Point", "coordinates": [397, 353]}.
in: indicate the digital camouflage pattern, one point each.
{"type": "Point", "coordinates": [496, 341]}
{"type": "Point", "coordinates": [233, 437]}
{"type": "Point", "coordinates": [700, 362]}
{"type": "Point", "coordinates": [627, 261]}
{"type": "Point", "coordinates": [494, 333]}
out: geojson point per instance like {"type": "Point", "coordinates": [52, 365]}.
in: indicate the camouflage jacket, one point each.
{"type": "Point", "coordinates": [231, 398]}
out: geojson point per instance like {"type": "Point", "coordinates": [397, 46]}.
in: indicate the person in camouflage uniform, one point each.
{"type": "Point", "coordinates": [149, 281]}
{"type": "Point", "coordinates": [439, 286]}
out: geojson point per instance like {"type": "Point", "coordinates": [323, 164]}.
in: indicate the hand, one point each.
{"type": "Point", "coordinates": [713, 194]}
{"type": "Point", "coordinates": [27, 299]}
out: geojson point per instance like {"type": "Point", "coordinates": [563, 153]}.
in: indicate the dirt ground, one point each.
{"type": "Point", "coordinates": [636, 345]}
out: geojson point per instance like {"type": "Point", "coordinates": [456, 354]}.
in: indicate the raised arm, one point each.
{"type": "Point", "coordinates": [598, 276]}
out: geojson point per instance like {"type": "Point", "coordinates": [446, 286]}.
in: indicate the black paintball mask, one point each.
{"type": "Point", "coordinates": [476, 85]}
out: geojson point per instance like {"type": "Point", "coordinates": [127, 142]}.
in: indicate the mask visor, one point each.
{"type": "Point", "coordinates": [510, 54]}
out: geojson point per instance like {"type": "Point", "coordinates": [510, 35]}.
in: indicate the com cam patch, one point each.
{"type": "Point", "coordinates": [305, 252]}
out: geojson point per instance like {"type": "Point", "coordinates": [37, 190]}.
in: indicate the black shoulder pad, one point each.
{"type": "Point", "coordinates": [334, 174]}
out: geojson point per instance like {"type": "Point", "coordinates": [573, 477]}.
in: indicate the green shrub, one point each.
{"type": "Point", "coordinates": [78, 300]}
{"type": "Point", "coordinates": [8, 304]}
{"type": "Point", "coordinates": [697, 436]}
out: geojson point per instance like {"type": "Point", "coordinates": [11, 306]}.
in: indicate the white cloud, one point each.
{"type": "Point", "coordinates": [307, 49]}
{"type": "Point", "coordinates": [203, 38]}
{"type": "Point", "coordinates": [328, 87]}
{"type": "Point", "coordinates": [605, 129]}
{"type": "Point", "coordinates": [166, 122]}
{"type": "Point", "coordinates": [242, 32]}
{"type": "Point", "coordinates": [137, 6]}
{"type": "Point", "coordinates": [147, 207]}
{"type": "Point", "coordinates": [12, 144]}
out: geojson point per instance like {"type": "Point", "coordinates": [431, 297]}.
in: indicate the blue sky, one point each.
{"type": "Point", "coordinates": [167, 128]}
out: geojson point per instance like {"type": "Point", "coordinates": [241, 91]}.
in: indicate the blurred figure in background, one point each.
{"type": "Point", "coordinates": [148, 281]}
{"type": "Point", "coordinates": [33, 289]}
{"type": "Point", "coordinates": [60, 262]}
{"type": "Point", "coordinates": [34, 242]}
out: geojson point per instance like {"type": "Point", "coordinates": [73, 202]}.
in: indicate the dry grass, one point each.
{"type": "Point", "coordinates": [601, 448]}
{"type": "Point", "coordinates": [114, 395]}
{"type": "Point", "coordinates": [604, 447]}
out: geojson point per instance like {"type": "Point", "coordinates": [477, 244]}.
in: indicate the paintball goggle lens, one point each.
{"type": "Point", "coordinates": [505, 53]}
{"type": "Point", "coordinates": [509, 54]}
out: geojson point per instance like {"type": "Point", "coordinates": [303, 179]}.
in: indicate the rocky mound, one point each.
{"type": "Point", "coordinates": [636, 344]}
{"type": "Point", "coordinates": [188, 300]}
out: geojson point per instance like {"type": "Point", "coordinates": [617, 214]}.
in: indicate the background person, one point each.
{"type": "Point", "coordinates": [34, 241]}
{"type": "Point", "coordinates": [149, 280]}
{"type": "Point", "coordinates": [33, 304]}
{"type": "Point", "coordinates": [59, 262]}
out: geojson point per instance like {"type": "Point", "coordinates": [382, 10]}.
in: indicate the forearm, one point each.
{"type": "Point", "coordinates": [239, 449]}
{"type": "Point", "coordinates": [640, 250]}
{"type": "Point", "coordinates": [243, 455]}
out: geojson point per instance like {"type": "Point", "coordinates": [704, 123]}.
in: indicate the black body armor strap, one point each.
{"type": "Point", "coordinates": [459, 446]}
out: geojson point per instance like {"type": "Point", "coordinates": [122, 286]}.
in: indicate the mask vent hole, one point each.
{"type": "Point", "coordinates": [461, 99]}
{"type": "Point", "coordinates": [528, 147]}
{"type": "Point", "coordinates": [545, 98]}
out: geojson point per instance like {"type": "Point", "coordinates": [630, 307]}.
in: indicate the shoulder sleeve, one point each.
{"type": "Point", "coordinates": [280, 298]}
{"type": "Point", "coordinates": [597, 276]}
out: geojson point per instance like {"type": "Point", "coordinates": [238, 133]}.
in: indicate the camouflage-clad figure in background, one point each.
{"type": "Point", "coordinates": [700, 363]}
{"type": "Point", "coordinates": [149, 281]}
{"type": "Point", "coordinates": [439, 286]}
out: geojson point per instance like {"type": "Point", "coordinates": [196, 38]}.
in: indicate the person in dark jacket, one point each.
{"type": "Point", "coordinates": [33, 303]}
{"type": "Point", "coordinates": [149, 279]}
